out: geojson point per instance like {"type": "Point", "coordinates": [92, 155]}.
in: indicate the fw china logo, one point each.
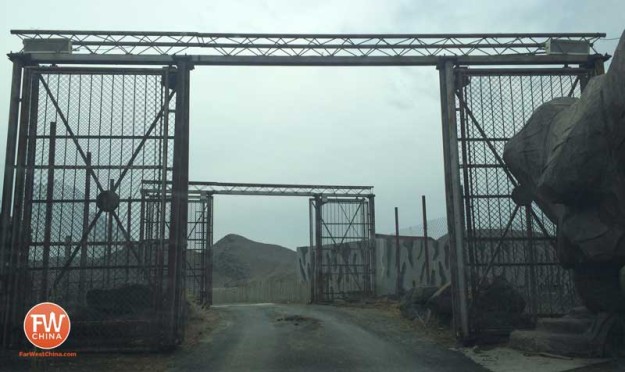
{"type": "Point", "coordinates": [47, 325]}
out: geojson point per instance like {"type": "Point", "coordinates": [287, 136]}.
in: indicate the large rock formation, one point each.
{"type": "Point", "coordinates": [570, 160]}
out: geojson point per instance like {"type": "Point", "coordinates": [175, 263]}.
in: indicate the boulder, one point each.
{"type": "Point", "coordinates": [598, 285]}
{"type": "Point", "coordinates": [569, 159]}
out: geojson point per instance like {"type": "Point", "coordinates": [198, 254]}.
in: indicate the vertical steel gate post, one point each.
{"type": "Point", "coordinates": [397, 254]}
{"type": "Point", "coordinates": [425, 240]}
{"type": "Point", "coordinates": [85, 225]}
{"type": "Point", "coordinates": [318, 282]}
{"type": "Point", "coordinates": [373, 252]}
{"type": "Point", "coordinates": [13, 228]}
{"type": "Point", "coordinates": [24, 180]}
{"type": "Point", "coordinates": [7, 192]}
{"type": "Point", "coordinates": [48, 224]}
{"type": "Point", "coordinates": [207, 254]}
{"type": "Point", "coordinates": [464, 158]}
{"type": "Point", "coordinates": [202, 226]}
{"type": "Point", "coordinates": [365, 248]}
{"type": "Point", "coordinates": [311, 246]}
{"type": "Point", "coordinates": [453, 198]}
{"type": "Point", "coordinates": [9, 163]}
{"type": "Point", "coordinates": [179, 203]}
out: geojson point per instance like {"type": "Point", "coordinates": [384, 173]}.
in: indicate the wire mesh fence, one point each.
{"type": "Point", "coordinates": [86, 238]}
{"type": "Point", "coordinates": [198, 255]}
{"type": "Point", "coordinates": [346, 234]}
{"type": "Point", "coordinates": [502, 239]}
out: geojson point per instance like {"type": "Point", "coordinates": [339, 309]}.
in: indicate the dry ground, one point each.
{"type": "Point", "coordinates": [201, 322]}
{"type": "Point", "coordinates": [497, 358]}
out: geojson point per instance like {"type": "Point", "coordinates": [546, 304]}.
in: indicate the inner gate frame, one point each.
{"type": "Point", "coordinates": [448, 52]}
{"type": "Point", "coordinates": [323, 236]}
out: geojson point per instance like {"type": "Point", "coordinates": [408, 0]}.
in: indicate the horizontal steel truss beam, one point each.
{"type": "Point", "coordinates": [305, 45]}
{"type": "Point", "coordinates": [225, 188]}
{"type": "Point", "coordinates": [303, 60]}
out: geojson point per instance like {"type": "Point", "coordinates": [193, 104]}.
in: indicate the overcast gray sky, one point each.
{"type": "Point", "coordinates": [362, 126]}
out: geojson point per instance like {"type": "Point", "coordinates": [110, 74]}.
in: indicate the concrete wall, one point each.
{"type": "Point", "coordinates": [340, 278]}
{"type": "Point", "coordinates": [554, 292]}
{"type": "Point", "coordinates": [412, 262]}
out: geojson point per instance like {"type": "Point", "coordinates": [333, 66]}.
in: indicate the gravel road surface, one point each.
{"type": "Point", "coordinates": [269, 337]}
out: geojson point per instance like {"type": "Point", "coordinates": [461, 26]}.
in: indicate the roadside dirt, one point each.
{"type": "Point", "coordinates": [201, 322]}
{"type": "Point", "coordinates": [429, 327]}
{"type": "Point", "coordinates": [496, 358]}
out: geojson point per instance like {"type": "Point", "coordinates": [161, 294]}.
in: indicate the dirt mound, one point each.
{"type": "Point", "coordinates": [238, 261]}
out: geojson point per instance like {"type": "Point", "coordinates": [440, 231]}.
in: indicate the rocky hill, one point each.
{"type": "Point", "coordinates": [238, 261]}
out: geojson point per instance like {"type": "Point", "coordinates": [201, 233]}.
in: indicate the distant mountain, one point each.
{"type": "Point", "coordinates": [238, 260]}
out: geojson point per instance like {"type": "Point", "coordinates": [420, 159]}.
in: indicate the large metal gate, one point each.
{"type": "Point", "coordinates": [343, 237]}
{"type": "Point", "coordinates": [501, 239]}
{"type": "Point", "coordinates": [88, 139]}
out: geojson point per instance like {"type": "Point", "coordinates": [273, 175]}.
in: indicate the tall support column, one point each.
{"type": "Point", "coordinates": [6, 250]}
{"type": "Point", "coordinates": [425, 241]}
{"type": "Point", "coordinates": [209, 251]}
{"type": "Point", "coordinates": [373, 250]}
{"type": "Point", "coordinates": [311, 248]}
{"type": "Point", "coordinates": [9, 163]}
{"type": "Point", "coordinates": [201, 229]}
{"type": "Point", "coordinates": [397, 255]}
{"type": "Point", "coordinates": [82, 274]}
{"type": "Point", "coordinates": [179, 202]}
{"type": "Point", "coordinates": [47, 234]}
{"type": "Point", "coordinates": [318, 250]}
{"type": "Point", "coordinates": [453, 198]}
{"type": "Point", "coordinates": [20, 232]}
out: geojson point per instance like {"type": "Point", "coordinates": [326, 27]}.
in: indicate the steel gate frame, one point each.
{"type": "Point", "coordinates": [445, 51]}
{"type": "Point", "coordinates": [200, 243]}
{"type": "Point", "coordinates": [341, 234]}
{"type": "Point", "coordinates": [24, 241]}
{"type": "Point", "coordinates": [485, 245]}
{"type": "Point", "coordinates": [202, 194]}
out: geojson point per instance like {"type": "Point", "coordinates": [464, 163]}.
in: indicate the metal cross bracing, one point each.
{"type": "Point", "coordinates": [499, 238]}
{"type": "Point", "coordinates": [303, 49]}
{"type": "Point", "coordinates": [197, 267]}
{"type": "Point", "coordinates": [88, 137]}
{"type": "Point", "coordinates": [343, 234]}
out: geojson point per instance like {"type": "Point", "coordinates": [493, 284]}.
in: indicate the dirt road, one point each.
{"type": "Point", "coordinates": [268, 337]}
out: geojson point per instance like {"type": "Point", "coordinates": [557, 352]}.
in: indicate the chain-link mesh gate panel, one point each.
{"type": "Point", "coordinates": [94, 135]}
{"type": "Point", "coordinates": [346, 248]}
{"type": "Point", "coordinates": [198, 253]}
{"type": "Point", "coordinates": [503, 240]}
